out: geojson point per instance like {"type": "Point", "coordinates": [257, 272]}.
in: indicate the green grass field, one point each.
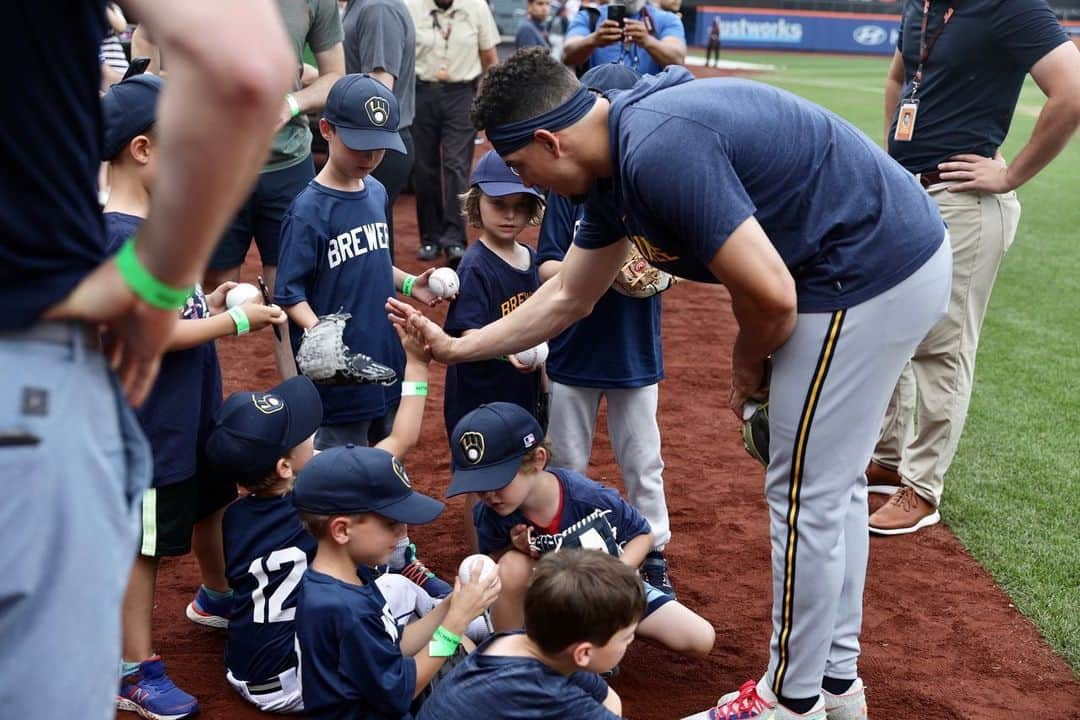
{"type": "Point", "coordinates": [1013, 493]}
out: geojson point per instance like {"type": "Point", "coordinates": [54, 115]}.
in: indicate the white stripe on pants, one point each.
{"type": "Point", "coordinates": [635, 438]}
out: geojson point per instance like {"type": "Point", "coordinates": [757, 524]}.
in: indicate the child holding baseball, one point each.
{"type": "Point", "coordinates": [529, 509]}
{"type": "Point", "coordinates": [356, 661]}
{"type": "Point", "coordinates": [335, 257]}
{"type": "Point", "coordinates": [183, 508]}
{"type": "Point", "coordinates": [581, 611]}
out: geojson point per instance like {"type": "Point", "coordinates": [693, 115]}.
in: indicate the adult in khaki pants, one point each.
{"type": "Point", "coordinates": [949, 98]}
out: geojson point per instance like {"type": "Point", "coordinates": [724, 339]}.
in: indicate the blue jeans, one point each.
{"type": "Point", "coordinates": [74, 463]}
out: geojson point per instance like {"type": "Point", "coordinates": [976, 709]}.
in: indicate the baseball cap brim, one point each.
{"type": "Point", "coordinates": [500, 189]}
{"type": "Point", "coordinates": [366, 139]}
{"type": "Point", "coordinates": [484, 479]}
{"type": "Point", "coordinates": [414, 509]}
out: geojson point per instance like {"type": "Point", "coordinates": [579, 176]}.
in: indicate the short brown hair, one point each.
{"type": "Point", "coordinates": [529, 458]}
{"type": "Point", "coordinates": [580, 595]}
{"type": "Point", "coordinates": [470, 207]}
{"type": "Point", "coordinates": [316, 525]}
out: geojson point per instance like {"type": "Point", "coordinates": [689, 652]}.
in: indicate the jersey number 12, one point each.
{"type": "Point", "coordinates": [269, 609]}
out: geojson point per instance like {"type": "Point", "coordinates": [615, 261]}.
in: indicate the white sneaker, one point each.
{"type": "Point", "coordinates": [849, 706]}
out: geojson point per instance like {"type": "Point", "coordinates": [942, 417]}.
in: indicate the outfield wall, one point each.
{"type": "Point", "coordinates": [805, 30]}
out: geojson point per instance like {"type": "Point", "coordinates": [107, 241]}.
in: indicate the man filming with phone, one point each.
{"type": "Point", "coordinates": [637, 35]}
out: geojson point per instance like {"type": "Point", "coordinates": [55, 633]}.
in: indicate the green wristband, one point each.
{"type": "Point", "coordinates": [294, 105]}
{"type": "Point", "coordinates": [410, 388]}
{"type": "Point", "coordinates": [241, 319]}
{"type": "Point", "coordinates": [406, 285]}
{"type": "Point", "coordinates": [443, 643]}
{"type": "Point", "coordinates": [145, 285]}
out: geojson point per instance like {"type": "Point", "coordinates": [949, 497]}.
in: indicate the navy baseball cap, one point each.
{"type": "Point", "coordinates": [364, 114]}
{"type": "Point", "coordinates": [128, 109]}
{"type": "Point", "coordinates": [496, 179]}
{"type": "Point", "coordinates": [610, 76]}
{"type": "Point", "coordinates": [487, 445]}
{"type": "Point", "coordinates": [255, 429]}
{"type": "Point", "coordinates": [351, 479]}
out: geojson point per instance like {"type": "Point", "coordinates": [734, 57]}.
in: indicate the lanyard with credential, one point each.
{"type": "Point", "coordinates": [924, 46]}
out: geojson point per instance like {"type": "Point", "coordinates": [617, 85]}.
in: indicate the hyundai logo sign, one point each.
{"type": "Point", "coordinates": [870, 35]}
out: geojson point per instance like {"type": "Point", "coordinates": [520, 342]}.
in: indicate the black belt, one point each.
{"type": "Point", "coordinates": [930, 178]}
{"type": "Point", "coordinates": [447, 84]}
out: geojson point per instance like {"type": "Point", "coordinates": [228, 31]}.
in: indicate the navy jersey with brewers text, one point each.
{"type": "Point", "coordinates": [618, 344]}
{"type": "Point", "coordinates": [335, 254]}
{"type": "Point", "coordinates": [496, 687]}
{"type": "Point", "coordinates": [178, 414]}
{"type": "Point", "coordinates": [846, 219]}
{"type": "Point", "coordinates": [351, 666]}
{"type": "Point", "coordinates": [267, 551]}
{"type": "Point", "coordinates": [581, 497]}
{"type": "Point", "coordinates": [490, 289]}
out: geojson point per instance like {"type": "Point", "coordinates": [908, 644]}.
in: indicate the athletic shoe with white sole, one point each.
{"type": "Point", "coordinates": [755, 701]}
{"type": "Point", "coordinates": [150, 693]}
{"type": "Point", "coordinates": [906, 512]}
{"type": "Point", "coordinates": [204, 610]}
{"type": "Point", "coordinates": [850, 705]}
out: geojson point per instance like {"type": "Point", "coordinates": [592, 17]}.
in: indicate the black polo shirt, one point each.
{"type": "Point", "coordinates": [972, 78]}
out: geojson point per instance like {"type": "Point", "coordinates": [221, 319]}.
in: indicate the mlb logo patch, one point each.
{"type": "Point", "coordinates": [529, 440]}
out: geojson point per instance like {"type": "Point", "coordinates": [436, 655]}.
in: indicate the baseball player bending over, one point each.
{"type": "Point", "coordinates": [837, 266]}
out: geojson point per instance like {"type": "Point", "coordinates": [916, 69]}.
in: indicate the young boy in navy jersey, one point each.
{"type": "Point", "coordinates": [262, 440]}
{"type": "Point", "coordinates": [581, 611]}
{"type": "Point", "coordinates": [356, 661]}
{"type": "Point", "coordinates": [184, 506]}
{"type": "Point", "coordinates": [614, 354]}
{"type": "Point", "coordinates": [498, 451]}
{"type": "Point", "coordinates": [335, 256]}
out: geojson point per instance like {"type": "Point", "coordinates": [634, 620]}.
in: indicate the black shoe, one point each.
{"type": "Point", "coordinates": [454, 253]}
{"type": "Point", "coordinates": [655, 572]}
{"type": "Point", "coordinates": [428, 251]}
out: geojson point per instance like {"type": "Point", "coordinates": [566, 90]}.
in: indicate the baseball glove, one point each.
{"type": "Point", "coordinates": [638, 279]}
{"type": "Point", "coordinates": [593, 532]}
{"type": "Point", "coordinates": [325, 358]}
{"type": "Point", "coordinates": [755, 431]}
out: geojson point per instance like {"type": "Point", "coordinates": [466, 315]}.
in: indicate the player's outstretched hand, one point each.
{"type": "Point", "coordinates": [975, 173]}
{"type": "Point", "coordinates": [261, 316]}
{"type": "Point", "coordinates": [215, 301]}
{"type": "Point", "coordinates": [422, 292]}
{"type": "Point", "coordinates": [472, 598]}
{"type": "Point", "coordinates": [428, 332]}
{"type": "Point", "coordinates": [135, 332]}
{"type": "Point", "coordinates": [415, 349]}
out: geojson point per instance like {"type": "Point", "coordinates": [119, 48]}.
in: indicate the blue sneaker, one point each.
{"type": "Point", "coordinates": [207, 611]}
{"type": "Point", "coordinates": [151, 693]}
{"type": "Point", "coordinates": [417, 572]}
{"type": "Point", "coordinates": [655, 572]}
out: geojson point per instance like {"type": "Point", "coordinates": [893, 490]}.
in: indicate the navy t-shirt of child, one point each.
{"type": "Point", "coordinates": [335, 254]}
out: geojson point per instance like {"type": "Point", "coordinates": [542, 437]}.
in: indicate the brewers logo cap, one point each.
{"type": "Point", "coordinates": [255, 429]}
{"type": "Point", "coordinates": [496, 179]}
{"type": "Point", "coordinates": [487, 445]}
{"type": "Point", "coordinates": [351, 479]}
{"type": "Point", "coordinates": [364, 114]}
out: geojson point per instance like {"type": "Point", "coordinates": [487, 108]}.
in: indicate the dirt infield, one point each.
{"type": "Point", "coordinates": [940, 640]}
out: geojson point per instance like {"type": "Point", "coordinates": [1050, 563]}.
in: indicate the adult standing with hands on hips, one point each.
{"type": "Point", "coordinates": [950, 94]}
{"type": "Point", "coordinates": [455, 45]}
{"type": "Point", "coordinates": [66, 428]}
{"type": "Point", "coordinates": [641, 36]}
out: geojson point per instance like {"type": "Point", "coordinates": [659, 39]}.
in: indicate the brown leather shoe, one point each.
{"type": "Point", "coordinates": [905, 513]}
{"type": "Point", "coordinates": [882, 480]}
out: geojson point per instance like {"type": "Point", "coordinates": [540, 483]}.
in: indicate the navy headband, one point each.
{"type": "Point", "coordinates": [513, 136]}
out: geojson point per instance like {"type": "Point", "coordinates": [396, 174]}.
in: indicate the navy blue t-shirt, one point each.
{"type": "Point", "coordinates": [335, 254]}
{"type": "Point", "coordinates": [350, 654]}
{"type": "Point", "coordinates": [497, 687]}
{"type": "Point", "coordinates": [848, 221]}
{"type": "Point", "coordinates": [531, 33]}
{"type": "Point", "coordinates": [267, 551]}
{"type": "Point", "coordinates": [618, 344]}
{"type": "Point", "coordinates": [51, 145]}
{"type": "Point", "coordinates": [580, 498]}
{"type": "Point", "coordinates": [973, 76]}
{"type": "Point", "coordinates": [178, 414]}
{"type": "Point", "coordinates": [490, 289]}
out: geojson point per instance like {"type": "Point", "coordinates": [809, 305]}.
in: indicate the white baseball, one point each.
{"type": "Point", "coordinates": [487, 568]}
{"type": "Point", "coordinates": [534, 356]}
{"type": "Point", "coordinates": [444, 282]}
{"type": "Point", "coordinates": [242, 293]}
